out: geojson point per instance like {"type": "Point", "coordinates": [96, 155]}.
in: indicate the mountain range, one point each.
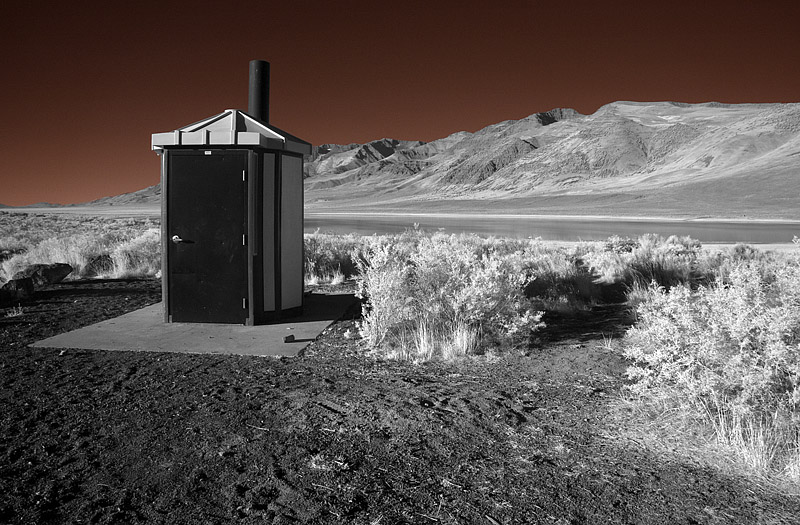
{"type": "Point", "coordinates": [663, 159]}
{"type": "Point", "coordinates": [628, 158]}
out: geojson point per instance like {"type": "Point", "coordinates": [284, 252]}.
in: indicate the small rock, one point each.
{"type": "Point", "coordinates": [45, 273]}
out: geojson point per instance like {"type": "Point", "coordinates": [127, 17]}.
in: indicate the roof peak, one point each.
{"type": "Point", "coordinates": [231, 127]}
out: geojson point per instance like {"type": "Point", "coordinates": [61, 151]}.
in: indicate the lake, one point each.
{"type": "Point", "coordinates": [556, 228]}
{"type": "Point", "coordinates": [549, 228]}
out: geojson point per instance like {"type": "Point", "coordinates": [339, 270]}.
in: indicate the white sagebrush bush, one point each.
{"type": "Point", "coordinates": [730, 354]}
{"type": "Point", "coordinates": [717, 265]}
{"type": "Point", "coordinates": [739, 341]}
{"type": "Point", "coordinates": [454, 288]}
{"type": "Point", "coordinates": [383, 284]}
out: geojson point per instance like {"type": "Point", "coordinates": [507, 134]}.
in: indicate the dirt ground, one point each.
{"type": "Point", "coordinates": [333, 436]}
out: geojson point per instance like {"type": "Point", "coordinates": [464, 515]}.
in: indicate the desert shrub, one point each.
{"type": "Point", "coordinates": [669, 262]}
{"type": "Point", "coordinates": [329, 257]}
{"type": "Point", "coordinates": [638, 294]}
{"type": "Point", "coordinates": [717, 266]}
{"type": "Point", "coordinates": [730, 351]}
{"type": "Point", "coordinates": [448, 294]}
{"type": "Point", "coordinates": [384, 285]}
{"type": "Point", "coordinates": [739, 341]}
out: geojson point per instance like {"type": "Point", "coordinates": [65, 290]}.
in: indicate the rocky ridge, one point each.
{"type": "Point", "coordinates": [147, 196]}
{"type": "Point", "coordinates": [622, 147]}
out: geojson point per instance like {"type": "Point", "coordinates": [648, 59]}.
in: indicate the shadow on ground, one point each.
{"type": "Point", "coordinates": [599, 323]}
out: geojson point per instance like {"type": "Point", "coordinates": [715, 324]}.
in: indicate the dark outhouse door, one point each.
{"type": "Point", "coordinates": [207, 203]}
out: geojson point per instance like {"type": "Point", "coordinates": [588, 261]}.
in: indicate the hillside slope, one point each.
{"type": "Point", "coordinates": [150, 196]}
{"type": "Point", "coordinates": [626, 158]}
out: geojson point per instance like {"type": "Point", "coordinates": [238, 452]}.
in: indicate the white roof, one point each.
{"type": "Point", "coordinates": [231, 127]}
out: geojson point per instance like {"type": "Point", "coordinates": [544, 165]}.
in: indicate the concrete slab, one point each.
{"type": "Point", "coordinates": [145, 330]}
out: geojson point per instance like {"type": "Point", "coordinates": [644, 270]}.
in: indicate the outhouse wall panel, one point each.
{"type": "Point", "coordinates": [291, 231]}
{"type": "Point", "coordinates": [269, 224]}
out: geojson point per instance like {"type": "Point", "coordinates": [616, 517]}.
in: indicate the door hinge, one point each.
{"type": "Point", "coordinates": [244, 303]}
{"type": "Point", "coordinates": [244, 239]}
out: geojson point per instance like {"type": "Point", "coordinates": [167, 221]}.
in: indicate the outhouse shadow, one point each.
{"type": "Point", "coordinates": [322, 306]}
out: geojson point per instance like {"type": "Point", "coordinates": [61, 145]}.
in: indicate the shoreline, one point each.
{"type": "Point", "coordinates": [767, 245]}
{"type": "Point", "coordinates": [711, 246]}
{"type": "Point", "coordinates": [156, 211]}
{"type": "Point", "coordinates": [606, 218]}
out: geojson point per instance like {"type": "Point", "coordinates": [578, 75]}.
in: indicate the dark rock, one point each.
{"type": "Point", "coordinates": [20, 285]}
{"type": "Point", "coordinates": [6, 298]}
{"type": "Point", "coordinates": [16, 290]}
{"type": "Point", "coordinates": [45, 273]}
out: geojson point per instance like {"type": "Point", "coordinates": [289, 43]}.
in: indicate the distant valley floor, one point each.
{"type": "Point", "coordinates": [559, 217]}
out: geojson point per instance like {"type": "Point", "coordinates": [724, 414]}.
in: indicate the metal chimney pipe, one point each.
{"type": "Point", "coordinates": [258, 96]}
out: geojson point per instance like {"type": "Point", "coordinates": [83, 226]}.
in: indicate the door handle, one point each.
{"type": "Point", "coordinates": [176, 239]}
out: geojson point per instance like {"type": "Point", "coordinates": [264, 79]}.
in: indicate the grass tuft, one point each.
{"type": "Point", "coordinates": [15, 311]}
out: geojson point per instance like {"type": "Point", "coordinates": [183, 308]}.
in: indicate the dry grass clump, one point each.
{"type": "Point", "coordinates": [667, 261]}
{"type": "Point", "coordinates": [138, 256]}
{"type": "Point", "coordinates": [105, 247]}
{"type": "Point", "coordinates": [423, 342]}
{"type": "Point", "coordinates": [727, 354]}
{"type": "Point", "coordinates": [75, 250]}
{"type": "Point", "coordinates": [717, 266]}
{"type": "Point", "coordinates": [329, 257]}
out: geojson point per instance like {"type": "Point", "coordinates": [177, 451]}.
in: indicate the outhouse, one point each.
{"type": "Point", "coordinates": [232, 215]}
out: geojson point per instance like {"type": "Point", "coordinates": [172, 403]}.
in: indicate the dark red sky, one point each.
{"type": "Point", "coordinates": [85, 84]}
